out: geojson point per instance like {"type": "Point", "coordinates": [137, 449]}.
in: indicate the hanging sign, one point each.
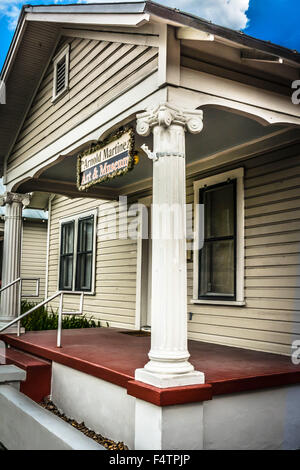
{"type": "Point", "coordinates": [109, 159]}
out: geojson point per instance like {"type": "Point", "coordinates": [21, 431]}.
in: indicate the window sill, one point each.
{"type": "Point", "coordinates": [233, 303]}
{"type": "Point", "coordinates": [61, 95]}
{"type": "Point", "coordinates": [77, 292]}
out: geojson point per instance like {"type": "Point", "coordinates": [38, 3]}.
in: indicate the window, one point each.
{"type": "Point", "coordinates": [77, 253]}
{"type": "Point", "coordinates": [61, 73]}
{"type": "Point", "coordinates": [219, 264]}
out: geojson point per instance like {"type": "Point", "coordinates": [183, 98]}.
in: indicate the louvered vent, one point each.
{"type": "Point", "coordinates": [60, 76]}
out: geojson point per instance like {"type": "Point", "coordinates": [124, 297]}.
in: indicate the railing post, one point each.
{"type": "Point", "coordinates": [59, 321]}
{"type": "Point", "coordinates": [20, 307]}
{"type": "Point", "coordinates": [81, 303]}
{"type": "Point", "coordinates": [37, 291]}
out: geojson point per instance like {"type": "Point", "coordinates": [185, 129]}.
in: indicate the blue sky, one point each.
{"type": "Point", "coordinates": [272, 20]}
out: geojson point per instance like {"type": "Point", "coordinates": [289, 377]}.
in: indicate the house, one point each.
{"type": "Point", "coordinates": [135, 116]}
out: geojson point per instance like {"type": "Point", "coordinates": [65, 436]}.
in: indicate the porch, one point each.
{"type": "Point", "coordinates": [113, 355]}
{"type": "Point", "coordinates": [248, 401]}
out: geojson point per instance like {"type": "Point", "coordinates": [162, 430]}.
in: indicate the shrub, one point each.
{"type": "Point", "coordinates": [42, 319]}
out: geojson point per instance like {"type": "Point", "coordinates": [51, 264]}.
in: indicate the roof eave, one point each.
{"type": "Point", "coordinates": [167, 14]}
{"type": "Point", "coordinates": [14, 44]}
{"type": "Point", "coordinates": [185, 19]}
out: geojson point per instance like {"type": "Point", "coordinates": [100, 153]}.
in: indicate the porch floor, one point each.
{"type": "Point", "coordinates": [113, 356]}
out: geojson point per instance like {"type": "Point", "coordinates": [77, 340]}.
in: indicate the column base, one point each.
{"type": "Point", "coordinates": [170, 380]}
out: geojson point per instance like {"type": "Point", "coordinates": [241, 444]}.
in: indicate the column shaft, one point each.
{"type": "Point", "coordinates": [11, 268]}
{"type": "Point", "coordinates": [168, 365]}
{"type": "Point", "coordinates": [169, 283]}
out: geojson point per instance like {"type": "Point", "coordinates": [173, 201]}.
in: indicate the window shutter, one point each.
{"type": "Point", "coordinates": [60, 76]}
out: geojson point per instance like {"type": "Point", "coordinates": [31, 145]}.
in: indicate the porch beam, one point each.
{"type": "Point", "coordinates": [193, 34]}
{"type": "Point", "coordinates": [69, 17]}
{"type": "Point", "coordinates": [168, 56]}
{"type": "Point", "coordinates": [115, 36]}
{"type": "Point", "coordinates": [258, 56]}
{"type": "Point", "coordinates": [69, 189]}
{"type": "Point", "coordinates": [169, 365]}
{"type": "Point", "coordinates": [263, 106]}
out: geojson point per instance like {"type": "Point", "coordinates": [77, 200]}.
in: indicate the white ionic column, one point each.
{"type": "Point", "coordinates": [169, 365]}
{"type": "Point", "coordinates": [11, 266]}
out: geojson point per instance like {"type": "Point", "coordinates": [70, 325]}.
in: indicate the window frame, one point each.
{"type": "Point", "coordinates": [218, 179]}
{"type": "Point", "coordinates": [75, 218]}
{"type": "Point", "coordinates": [63, 53]}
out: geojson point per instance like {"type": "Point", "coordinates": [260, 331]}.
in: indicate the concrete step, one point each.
{"type": "Point", "coordinates": [38, 372]}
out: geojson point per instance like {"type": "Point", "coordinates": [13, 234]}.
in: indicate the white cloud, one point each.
{"type": "Point", "coordinates": [230, 13]}
{"type": "Point", "coordinates": [11, 9]}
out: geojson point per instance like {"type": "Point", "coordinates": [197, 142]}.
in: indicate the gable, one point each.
{"type": "Point", "coordinates": [99, 71]}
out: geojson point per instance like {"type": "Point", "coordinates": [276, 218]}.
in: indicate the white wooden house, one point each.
{"type": "Point", "coordinates": [200, 115]}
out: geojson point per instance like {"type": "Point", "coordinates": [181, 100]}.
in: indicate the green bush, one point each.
{"type": "Point", "coordinates": [41, 319]}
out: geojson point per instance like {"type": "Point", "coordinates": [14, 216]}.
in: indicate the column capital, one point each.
{"type": "Point", "coordinates": [9, 198]}
{"type": "Point", "coordinates": [166, 115]}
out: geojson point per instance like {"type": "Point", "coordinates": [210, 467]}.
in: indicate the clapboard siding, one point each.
{"type": "Point", "coordinates": [114, 302]}
{"type": "Point", "coordinates": [270, 320]}
{"type": "Point", "coordinates": [34, 253]}
{"type": "Point", "coordinates": [99, 72]}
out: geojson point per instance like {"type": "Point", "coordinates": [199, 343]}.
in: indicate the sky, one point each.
{"type": "Point", "coordinates": [272, 20]}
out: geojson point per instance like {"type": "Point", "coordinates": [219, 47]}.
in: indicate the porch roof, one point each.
{"type": "Point", "coordinates": [39, 27]}
{"type": "Point", "coordinates": [112, 355]}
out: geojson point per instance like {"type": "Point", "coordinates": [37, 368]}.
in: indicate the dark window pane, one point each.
{"type": "Point", "coordinates": [84, 271]}
{"type": "Point", "coordinates": [217, 268]}
{"type": "Point", "coordinates": [66, 272]}
{"type": "Point", "coordinates": [67, 238]}
{"type": "Point", "coordinates": [219, 211]}
{"type": "Point", "coordinates": [85, 235]}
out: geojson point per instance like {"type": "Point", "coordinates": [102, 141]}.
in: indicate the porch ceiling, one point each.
{"type": "Point", "coordinates": [223, 130]}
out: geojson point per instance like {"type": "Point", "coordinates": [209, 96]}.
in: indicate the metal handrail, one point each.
{"type": "Point", "coordinates": [60, 313]}
{"type": "Point", "coordinates": [10, 284]}
{"type": "Point", "coordinates": [20, 280]}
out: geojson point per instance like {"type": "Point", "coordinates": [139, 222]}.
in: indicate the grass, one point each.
{"type": "Point", "coordinates": [42, 319]}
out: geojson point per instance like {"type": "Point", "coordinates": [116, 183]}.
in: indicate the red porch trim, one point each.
{"type": "Point", "coordinates": [169, 396]}
{"type": "Point", "coordinates": [113, 356]}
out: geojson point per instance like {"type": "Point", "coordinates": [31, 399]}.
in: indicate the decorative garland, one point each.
{"type": "Point", "coordinates": [95, 147]}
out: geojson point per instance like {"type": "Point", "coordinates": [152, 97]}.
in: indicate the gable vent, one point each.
{"type": "Point", "coordinates": [60, 76]}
